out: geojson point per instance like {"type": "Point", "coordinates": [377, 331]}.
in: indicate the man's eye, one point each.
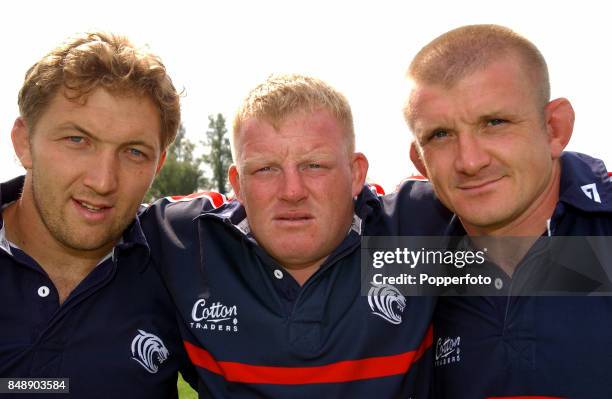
{"type": "Point", "coordinates": [314, 166]}
{"type": "Point", "coordinates": [439, 134]}
{"type": "Point", "coordinates": [136, 153]}
{"type": "Point", "coordinates": [263, 170]}
{"type": "Point", "coordinates": [75, 139]}
{"type": "Point", "coordinates": [496, 121]}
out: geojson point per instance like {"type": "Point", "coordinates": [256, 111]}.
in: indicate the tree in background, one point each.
{"type": "Point", "coordinates": [181, 173]}
{"type": "Point", "coordinates": [219, 157]}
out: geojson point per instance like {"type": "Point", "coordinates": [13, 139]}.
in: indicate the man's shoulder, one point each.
{"type": "Point", "coordinates": [177, 213]}
{"type": "Point", "coordinates": [414, 209]}
{"type": "Point", "coordinates": [10, 190]}
{"type": "Point", "coordinates": [178, 207]}
{"type": "Point", "coordinates": [585, 186]}
{"type": "Point", "coordinates": [416, 188]}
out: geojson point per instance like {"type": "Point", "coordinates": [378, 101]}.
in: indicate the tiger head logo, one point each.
{"type": "Point", "coordinates": [387, 302]}
{"type": "Point", "coordinates": [149, 351]}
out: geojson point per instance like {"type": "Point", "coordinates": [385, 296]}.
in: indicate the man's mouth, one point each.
{"type": "Point", "coordinates": [479, 184]}
{"type": "Point", "coordinates": [92, 207]}
{"type": "Point", "coordinates": [293, 217]}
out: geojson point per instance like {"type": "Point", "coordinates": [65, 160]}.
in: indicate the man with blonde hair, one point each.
{"type": "Point", "coordinates": [269, 285]}
{"type": "Point", "coordinates": [79, 298]}
{"type": "Point", "coordinates": [491, 142]}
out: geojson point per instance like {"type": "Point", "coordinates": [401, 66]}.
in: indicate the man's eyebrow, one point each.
{"type": "Point", "coordinates": [257, 158]}
{"type": "Point", "coordinates": [250, 162]}
{"type": "Point", "coordinates": [426, 128]}
{"type": "Point", "coordinates": [140, 143]}
{"type": "Point", "coordinates": [318, 156]}
{"type": "Point", "coordinates": [74, 126]}
{"type": "Point", "coordinates": [499, 114]}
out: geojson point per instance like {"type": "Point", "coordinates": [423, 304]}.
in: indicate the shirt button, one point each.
{"type": "Point", "coordinates": [278, 274]}
{"type": "Point", "coordinates": [43, 291]}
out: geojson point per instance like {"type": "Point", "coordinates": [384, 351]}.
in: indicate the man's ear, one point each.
{"type": "Point", "coordinates": [20, 136]}
{"type": "Point", "coordinates": [160, 163]}
{"type": "Point", "coordinates": [359, 171]}
{"type": "Point", "coordinates": [234, 179]}
{"type": "Point", "coordinates": [560, 118]}
{"type": "Point", "coordinates": [415, 157]}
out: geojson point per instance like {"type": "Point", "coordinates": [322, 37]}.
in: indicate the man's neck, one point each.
{"type": "Point", "coordinates": [66, 267]}
{"type": "Point", "coordinates": [505, 252]}
{"type": "Point", "coordinates": [302, 273]}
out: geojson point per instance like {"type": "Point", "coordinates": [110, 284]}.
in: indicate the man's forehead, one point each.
{"type": "Point", "coordinates": [275, 143]}
{"type": "Point", "coordinates": [254, 124]}
{"type": "Point", "coordinates": [316, 125]}
{"type": "Point", "coordinates": [315, 118]}
{"type": "Point", "coordinates": [422, 100]}
{"type": "Point", "coordinates": [300, 136]}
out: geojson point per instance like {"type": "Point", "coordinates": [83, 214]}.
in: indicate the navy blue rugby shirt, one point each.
{"type": "Point", "coordinates": [253, 332]}
{"type": "Point", "coordinates": [540, 346]}
{"type": "Point", "coordinates": [115, 336]}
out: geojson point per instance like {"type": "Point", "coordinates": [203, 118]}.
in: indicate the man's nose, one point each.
{"type": "Point", "coordinates": [472, 156]}
{"type": "Point", "coordinates": [102, 175]}
{"type": "Point", "coordinates": [293, 188]}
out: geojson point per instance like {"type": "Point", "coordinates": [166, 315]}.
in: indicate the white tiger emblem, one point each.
{"type": "Point", "coordinates": [149, 351]}
{"type": "Point", "coordinates": [387, 302]}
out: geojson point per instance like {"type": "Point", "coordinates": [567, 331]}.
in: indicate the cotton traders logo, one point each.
{"type": "Point", "coordinates": [214, 317]}
{"type": "Point", "coordinates": [149, 351]}
{"type": "Point", "coordinates": [448, 350]}
{"type": "Point", "coordinates": [387, 302]}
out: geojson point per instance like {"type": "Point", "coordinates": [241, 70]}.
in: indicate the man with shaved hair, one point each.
{"type": "Point", "coordinates": [491, 142]}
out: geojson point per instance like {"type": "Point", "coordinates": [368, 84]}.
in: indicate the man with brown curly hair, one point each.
{"type": "Point", "coordinates": [79, 300]}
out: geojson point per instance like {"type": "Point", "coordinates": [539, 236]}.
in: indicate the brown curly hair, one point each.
{"type": "Point", "coordinates": [99, 59]}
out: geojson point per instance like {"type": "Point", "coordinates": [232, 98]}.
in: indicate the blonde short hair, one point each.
{"type": "Point", "coordinates": [99, 59]}
{"type": "Point", "coordinates": [468, 49]}
{"type": "Point", "coordinates": [280, 96]}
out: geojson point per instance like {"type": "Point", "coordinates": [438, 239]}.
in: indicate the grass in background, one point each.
{"type": "Point", "coordinates": [184, 390]}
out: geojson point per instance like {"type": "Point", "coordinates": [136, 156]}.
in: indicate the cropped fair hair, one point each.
{"type": "Point", "coordinates": [468, 49]}
{"type": "Point", "coordinates": [100, 60]}
{"type": "Point", "coordinates": [281, 96]}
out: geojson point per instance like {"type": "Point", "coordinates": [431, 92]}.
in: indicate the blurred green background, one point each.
{"type": "Point", "coordinates": [184, 390]}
